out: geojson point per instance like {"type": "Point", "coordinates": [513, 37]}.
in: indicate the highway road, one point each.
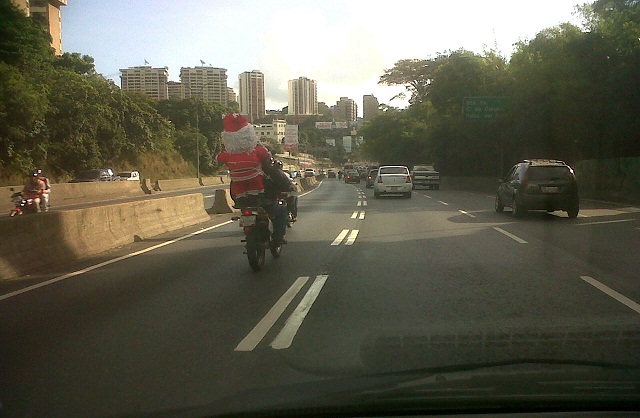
{"type": "Point", "coordinates": [364, 286]}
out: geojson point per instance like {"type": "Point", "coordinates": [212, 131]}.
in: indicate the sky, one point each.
{"type": "Point", "coordinates": [345, 45]}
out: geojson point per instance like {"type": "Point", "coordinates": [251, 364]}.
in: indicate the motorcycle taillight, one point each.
{"type": "Point", "coordinates": [247, 212]}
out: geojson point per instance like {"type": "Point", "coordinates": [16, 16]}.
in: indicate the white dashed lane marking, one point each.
{"type": "Point", "coordinates": [466, 213]}
{"type": "Point", "coordinates": [510, 235]}
{"type": "Point", "coordinates": [609, 291]}
{"type": "Point", "coordinates": [357, 215]}
{"type": "Point", "coordinates": [340, 237]}
{"type": "Point", "coordinates": [444, 203]}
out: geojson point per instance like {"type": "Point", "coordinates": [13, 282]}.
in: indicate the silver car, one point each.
{"type": "Point", "coordinates": [393, 180]}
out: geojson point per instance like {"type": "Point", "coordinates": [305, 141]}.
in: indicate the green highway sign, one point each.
{"type": "Point", "coordinates": [484, 108]}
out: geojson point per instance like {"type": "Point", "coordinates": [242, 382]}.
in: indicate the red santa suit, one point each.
{"type": "Point", "coordinates": [243, 156]}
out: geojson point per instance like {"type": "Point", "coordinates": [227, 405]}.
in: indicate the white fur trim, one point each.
{"type": "Point", "coordinates": [244, 140]}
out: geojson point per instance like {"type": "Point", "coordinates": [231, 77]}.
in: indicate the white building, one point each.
{"type": "Point", "coordinates": [154, 82]}
{"type": "Point", "coordinates": [303, 97]}
{"type": "Point", "coordinates": [251, 95]}
{"type": "Point", "coordinates": [208, 84]}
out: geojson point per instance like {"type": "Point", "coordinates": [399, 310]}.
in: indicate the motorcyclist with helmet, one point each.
{"type": "Point", "coordinates": [35, 184]}
{"type": "Point", "coordinates": [45, 195]}
{"type": "Point", "coordinates": [277, 185]}
{"type": "Point", "coordinates": [254, 179]}
{"type": "Point", "coordinates": [292, 198]}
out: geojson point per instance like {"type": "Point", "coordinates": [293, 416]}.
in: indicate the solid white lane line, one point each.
{"type": "Point", "coordinates": [510, 235]}
{"type": "Point", "coordinates": [340, 237]}
{"type": "Point", "coordinates": [609, 291]}
{"type": "Point", "coordinates": [606, 222]}
{"type": "Point", "coordinates": [108, 262]}
{"type": "Point", "coordinates": [352, 237]}
{"type": "Point", "coordinates": [444, 203]}
{"type": "Point", "coordinates": [291, 327]}
{"type": "Point", "coordinates": [260, 330]}
{"type": "Point", "coordinates": [359, 203]}
{"type": "Point", "coordinates": [312, 190]}
{"type": "Point", "coordinates": [361, 215]}
{"type": "Point", "coordinates": [354, 215]}
{"type": "Point", "coordinates": [466, 213]}
{"type": "Point", "coordinates": [364, 203]}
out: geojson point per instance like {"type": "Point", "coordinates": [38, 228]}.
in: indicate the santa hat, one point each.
{"type": "Point", "coordinates": [238, 135]}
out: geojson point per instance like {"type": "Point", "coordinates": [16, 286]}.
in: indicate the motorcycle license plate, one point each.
{"type": "Point", "coordinates": [247, 220]}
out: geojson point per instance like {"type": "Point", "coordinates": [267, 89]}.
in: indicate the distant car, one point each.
{"type": "Point", "coordinates": [309, 172]}
{"type": "Point", "coordinates": [95, 175]}
{"type": "Point", "coordinates": [393, 180]}
{"type": "Point", "coordinates": [331, 174]}
{"type": "Point", "coordinates": [129, 175]}
{"type": "Point", "coordinates": [352, 176]}
{"type": "Point", "coordinates": [539, 185]}
{"type": "Point", "coordinates": [371, 178]}
{"type": "Point", "coordinates": [425, 175]}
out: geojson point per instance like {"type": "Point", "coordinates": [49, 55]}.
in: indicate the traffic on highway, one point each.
{"type": "Point", "coordinates": [436, 285]}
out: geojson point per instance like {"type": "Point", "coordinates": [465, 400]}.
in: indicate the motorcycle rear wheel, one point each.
{"type": "Point", "coordinates": [256, 257]}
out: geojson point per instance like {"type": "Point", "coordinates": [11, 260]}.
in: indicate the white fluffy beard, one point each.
{"type": "Point", "coordinates": [244, 140]}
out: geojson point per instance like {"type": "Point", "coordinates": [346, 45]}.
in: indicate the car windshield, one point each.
{"type": "Point", "coordinates": [322, 208]}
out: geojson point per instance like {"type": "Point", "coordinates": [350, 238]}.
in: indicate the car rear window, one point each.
{"type": "Point", "coordinates": [393, 170]}
{"type": "Point", "coordinates": [548, 173]}
{"type": "Point", "coordinates": [423, 168]}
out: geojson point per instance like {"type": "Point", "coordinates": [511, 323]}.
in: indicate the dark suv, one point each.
{"type": "Point", "coordinates": [539, 185]}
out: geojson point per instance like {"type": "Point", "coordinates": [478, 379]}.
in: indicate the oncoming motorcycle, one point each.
{"type": "Point", "coordinates": [25, 202]}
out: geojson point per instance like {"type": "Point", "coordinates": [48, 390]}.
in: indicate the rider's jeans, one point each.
{"type": "Point", "coordinates": [279, 221]}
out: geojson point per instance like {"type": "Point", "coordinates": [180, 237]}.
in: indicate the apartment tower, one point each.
{"type": "Point", "coordinates": [346, 109]}
{"type": "Point", "coordinates": [303, 97]}
{"type": "Point", "coordinates": [251, 95]}
{"type": "Point", "coordinates": [370, 107]}
{"type": "Point", "coordinates": [154, 82]}
{"type": "Point", "coordinates": [208, 84]}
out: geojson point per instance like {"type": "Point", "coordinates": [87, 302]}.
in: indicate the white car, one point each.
{"type": "Point", "coordinates": [309, 172]}
{"type": "Point", "coordinates": [129, 175]}
{"type": "Point", "coordinates": [393, 180]}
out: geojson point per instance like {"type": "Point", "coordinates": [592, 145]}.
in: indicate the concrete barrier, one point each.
{"type": "Point", "coordinates": [146, 185]}
{"type": "Point", "coordinates": [176, 184]}
{"type": "Point", "coordinates": [222, 202]}
{"type": "Point", "coordinates": [213, 181]}
{"type": "Point", "coordinates": [33, 242]}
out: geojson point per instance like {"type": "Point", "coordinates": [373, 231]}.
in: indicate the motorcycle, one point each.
{"type": "Point", "coordinates": [25, 202]}
{"type": "Point", "coordinates": [258, 231]}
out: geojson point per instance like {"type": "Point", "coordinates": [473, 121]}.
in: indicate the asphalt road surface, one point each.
{"type": "Point", "coordinates": [364, 286]}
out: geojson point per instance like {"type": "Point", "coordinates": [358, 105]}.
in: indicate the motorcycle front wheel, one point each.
{"type": "Point", "coordinates": [256, 257]}
{"type": "Point", "coordinates": [14, 213]}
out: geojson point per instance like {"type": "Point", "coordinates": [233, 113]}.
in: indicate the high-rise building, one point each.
{"type": "Point", "coordinates": [22, 5]}
{"type": "Point", "coordinates": [175, 90]}
{"type": "Point", "coordinates": [303, 97]}
{"type": "Point", "coordinates": [251, 95]}
{"type": "Point", "coordinates": [346, 109]}
{"type": "Point", "coordinates": [47, 13]}
{"type": "Point", "coordinates": [370, 107]}
{"type": "Point", "coordinates": [154, 82]}
{"type": "Point", "coordinates": [231, 95]}
{"type": "Point", "coordinates": [208, 84]}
